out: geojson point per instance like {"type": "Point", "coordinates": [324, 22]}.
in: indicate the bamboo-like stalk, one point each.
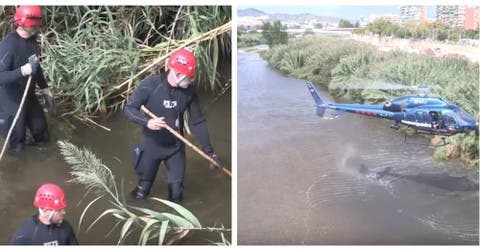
{"type": "Point", "coordinates": [222, 29]}
{"type": "Point", "coordinates": [88, 50]}
{"type": "Point", "coordinates": [179, 136]}
{"type": "Point", "coordinates": [97, 124]}
{"type": "Point", "coordinates": [173, 27]}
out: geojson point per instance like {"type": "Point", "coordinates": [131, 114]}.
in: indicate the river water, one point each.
{"type": "Point", "coordinates": [352, 180]}
{"type": "Point", "coordinates": [207, 192]}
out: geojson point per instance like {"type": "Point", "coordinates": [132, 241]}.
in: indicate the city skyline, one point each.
{"type": "Point", "coordinates": [353, 12]}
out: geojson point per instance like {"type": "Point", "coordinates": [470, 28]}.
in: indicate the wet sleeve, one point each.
{"type": "Point", "coordinates": [198, 124]}
{"type": "Point", "coordinates": [136, 100]}
{"type": "Point", "coordinates": [7, 75]}
{"type": "Point", "coordinates": [39, 78]}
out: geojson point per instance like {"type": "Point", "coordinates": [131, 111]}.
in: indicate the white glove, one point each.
{"type": "Point", "coordinates": [31, 67]}
{"type": "Point", "coordinates": [26, 69]}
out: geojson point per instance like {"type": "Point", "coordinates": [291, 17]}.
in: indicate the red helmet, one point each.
{"type": "Point", "coordinates": [50, 196]}
{"type": "Point", "coordinates": [183, 61]}
{"type": "Point", "coordinates": [28, 16]}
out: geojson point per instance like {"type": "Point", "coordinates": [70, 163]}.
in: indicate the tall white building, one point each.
{"type": "Point", "coordinates": [412, 13]}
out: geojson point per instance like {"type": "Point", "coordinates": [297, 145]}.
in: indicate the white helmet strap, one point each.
{"type": "Point", "coordinates": [182, 81]}
{"type": "Point", "coordinates": [49, 217]}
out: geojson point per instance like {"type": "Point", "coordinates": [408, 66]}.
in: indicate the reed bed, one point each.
{"type": "Point", "coordinates": [94, 56]}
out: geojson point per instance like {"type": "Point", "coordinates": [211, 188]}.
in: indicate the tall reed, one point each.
{"type": "Point", "coordinates": [88, 52]}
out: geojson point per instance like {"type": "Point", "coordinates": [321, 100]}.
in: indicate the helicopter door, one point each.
{"type": "Point", "coordinates": [435, 119]}
{"type": "Point", "coordinates": [449, 120]}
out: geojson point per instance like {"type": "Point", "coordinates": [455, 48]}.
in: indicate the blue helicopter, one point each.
{"type": "Point", "coordinates": [432, 115]}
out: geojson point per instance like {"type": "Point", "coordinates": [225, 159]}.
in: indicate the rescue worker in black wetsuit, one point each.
{"type": "Point", "coordinates": [47, 227]}
{"type": "Point", "coordinates": [168, 97]}
{"type": "Point", "coordinates": [435, 120]}
{"type": "Point", "coordinates": [18, 61]}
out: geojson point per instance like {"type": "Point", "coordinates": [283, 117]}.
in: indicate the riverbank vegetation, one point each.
{"type": "Point", "coordinates": [250, 39]}
{"type": "Point", "coordinates": [273, 33]}
{"type": "Point", "coordinates": [93, 56]}
{"type": "Point", "coordinates": [358, 72]}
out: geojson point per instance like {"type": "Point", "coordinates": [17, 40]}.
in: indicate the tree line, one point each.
{"type": "Point", "coordinates": [418, 30]}
{"type": "Point", "coordinates": [274, 33]}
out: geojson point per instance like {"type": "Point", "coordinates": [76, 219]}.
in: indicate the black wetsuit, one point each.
{"type": "Point", "coordinates": [34, 232]}
{"type": "Point", "coordinates": [160, 145]}
{"type": "Point", "coordinates": [14, 53]}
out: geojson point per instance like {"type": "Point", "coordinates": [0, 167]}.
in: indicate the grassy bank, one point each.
{"type": "Point", "coordinates": [358, 72]}
{"type": "Point", "coordinates": [93, 56]}
{"type": "Point", "coordinates": [250, 39]}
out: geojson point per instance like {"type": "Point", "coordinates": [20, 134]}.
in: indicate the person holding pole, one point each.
{"type": "Point", "coordinates": [167, 96]}
{"type": "Point", "coordinates": [18, 62]}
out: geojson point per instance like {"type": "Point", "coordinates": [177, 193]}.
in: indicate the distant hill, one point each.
{"type": "Point", "coordinates": [251, 12]}
{"type": "Point", "coordinates": [303, 17]}
{"type": "Point", "coordinates": [300, 18]}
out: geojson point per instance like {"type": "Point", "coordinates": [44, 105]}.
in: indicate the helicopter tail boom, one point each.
{"type": "Point", "coordinates": [321, 105]}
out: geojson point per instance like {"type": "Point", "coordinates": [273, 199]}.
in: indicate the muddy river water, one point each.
{"type": "Point", "coordinates": [352, 180]}
{"type": "Point", "coordinates": [207, 192]}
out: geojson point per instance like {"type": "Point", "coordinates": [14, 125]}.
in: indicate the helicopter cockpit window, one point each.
{"type": "Point", "coordinates": [448, 118]}
{"type": "Point", "coordinates": [462, 115]}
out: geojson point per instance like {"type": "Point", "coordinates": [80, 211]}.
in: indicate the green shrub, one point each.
{"type": "Point", "coordinates": [439, 154]}
{"type": "Point", "coordinates": [250, 39]}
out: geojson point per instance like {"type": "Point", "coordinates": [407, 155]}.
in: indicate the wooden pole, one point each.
{"type": "Point", "coordinates": [179, 136]}
{"type": "Point", "coordinates": [16, 116]}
